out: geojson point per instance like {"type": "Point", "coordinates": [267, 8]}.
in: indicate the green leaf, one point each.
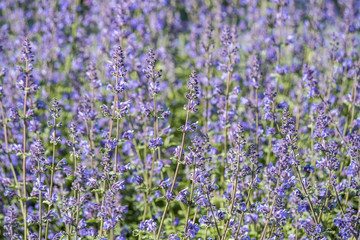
{"type": "Point", "coordinates": [160, 199]}
{"type": "Point", "coordinates": [155, 188]}
{"type": "Point", "coordinates": [96, 190]}
{"type": "Point", "coordinates": [33, 199]}
{"type": "Point", "coordinates": [136, 232]}
{"type": "Point", "coordinates": [70, 178]}
{"type": "Point", "coordinates": [275, 75]}
{"type": "Point", "coordinates": [92, 221]}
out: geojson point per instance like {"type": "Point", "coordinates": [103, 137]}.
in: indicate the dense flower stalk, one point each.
{"type": "Point", "coordinates": [191, 106]}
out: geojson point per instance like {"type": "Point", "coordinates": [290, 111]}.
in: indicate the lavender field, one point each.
{"type": "Point", "coordinates": [190, 119]}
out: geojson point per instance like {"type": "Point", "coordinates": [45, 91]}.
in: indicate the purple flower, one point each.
{"type": "Point", "coordinates": [148, 225]}
{"type": "Point", "coordinates": [182, 196]}
{"type": "Point", "coordinates": [170, 196]}
{"type": "Point", "coordinates": [192, 230]}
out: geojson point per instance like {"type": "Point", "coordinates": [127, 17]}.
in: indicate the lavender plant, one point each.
{"type": "Point", "coordinates": [126, 119]}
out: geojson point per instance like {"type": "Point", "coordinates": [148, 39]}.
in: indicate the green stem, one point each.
{"type": "Point", "coordinates": [233, 196]}
{"type": "Point", "coordinates": [246, 203]}
{"type": "Point", "coordinates": [115, 103]}
{"type": "Point", "coordinates": [212, 212]}
{"type": "Point", "coordinates": [176, 171]}
{"type": "Point", "coordinates": [8, 154]}
{"type": "Point", "coordinates": [24, 148]}
{"type": "Point", "coordinates": [271, 208]}
{"type": "Point", "coordinates": [154, 152]}
{"type": "Point", "coordinates": [207, 98]}
{"type": "Point", "coordinates": [191, 195]}
{"type": "Point", "coordinates": [306, 194]}
{"type": "Point", "coordinates": [51, 177]}
{"type": "Point", "coordinates": [326, 198]}
{"type": "Point", "coordinates": [357, 217]}
{"type": "Point", "coordinates": [102, 205]}
{"type": "Point", "coordinates": [77, 215]}
{"type": "Point", "coordinates": [228, 83]}
{"type": "Point", "coordinates": [40, 204]}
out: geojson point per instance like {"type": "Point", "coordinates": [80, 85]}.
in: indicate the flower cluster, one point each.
{"type": "Point", "coordinates": [178, 120]}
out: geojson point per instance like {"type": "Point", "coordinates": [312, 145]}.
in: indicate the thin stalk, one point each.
{"type": "Point", "coordinates": [331, 79]}
{"type": "Point", "coordinates": [40, 204]}
{"type": "Point", "coordinates": [233, 196]}
{"type": "Point", "coordinates": [354, 93]}
{"type": "Point", "coordinates": [88, 131]}
{"type": "Point", "coordinates": [338, 199]}
{"type": "Point", "coordinates": [246, 203]}
{"type": "Point", "coordinates": [114, 108]}
{"type": "Point", "coordinates": [195, 214]}
{"type": "Point", "coordinates": [337, 196]}
{"type": "Point", "coordinates": [296, 228]}
{"type": "Point", "coordinates": [343, 82]}
{"type": "Point", "coordinates": [90, 136]}
{"type": "Point", "coordinates": [51, 177]}
{"type": "Point", "coordinates": [77, 215]}
{"type": "Point", "coordinates": [302, 184]}
{"type": "Point", "coordinates": [75, 165]}
{"type": "Point", "coordinates": [326, 199]}
{"type": "Point", "coordinates": [117, 147]}
{"type": "Point", "coordinates": [91, 142]}
{"type": "Point", "coordinates": [139, 156]}
{"type": "Point", "coordinates": [306, 194]}
{"type": "Point", "coordinates": [24, 147]}
{"type": "Point", "coordinates": [112, 234]}
{"type": "Point", "coordinates": [176, 171]}
{"type": "Point", "coordinates": [191, 195]}
{"type": "Point", "coordinates": [271, 208]}
{"type": "Point", "coordinates": [298, 99]}
{"type": "Point", "coordinates": [146, 200]}
{"type": "Point", "coordinates": [146, 180]}
{"type": "Point", "coordinates": [257, 119]}
{"type": "Point", "coordinates": [228, 83]}
{"type": "Point", "coordinates": [347, 194]}
{"type": "Point", "coordinates": [115, 104]}
{"type": "Point", "coordinates": [272, 125]}
{"type": "Point", "coordinates": [271, 231]}
{"type": "Point", "coordinates": [337, 129]}
{"type": "Point", "coordinates": [357, 217]}
{"type": "Point", "coordinates": [212, 212]}
{"type": "Point", "coordinates": [208, 74]}
{"type": "Point", "coordinates": [102, 204]}
{"type": "Point", "coordinates": [8, 154]}
{"type": "Point", "coordinates": [312, 141]}
{"type": "Point", "coordinates": [347, 120]}
{"type": "Point", "coordinates": [335, 125]}
{"type": "Point", "coordinates": [152, 170]}
{"type": "Point", "coordinates": [145, 194]}
{"type": "Point", "coordinates": [155, 136]}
